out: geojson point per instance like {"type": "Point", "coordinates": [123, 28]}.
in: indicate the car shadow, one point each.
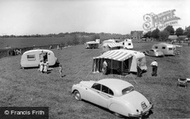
{"type": "Point", "coordinates": [120, 116]}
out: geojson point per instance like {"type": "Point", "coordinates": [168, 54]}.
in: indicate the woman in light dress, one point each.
{"type": "Point", "coordinates": [41, 66]}
{"type": "Point", "coordinates": [46, 65]}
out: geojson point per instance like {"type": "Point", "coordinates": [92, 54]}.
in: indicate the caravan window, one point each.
{"type": "Point", "coordinates": [129, 43]}
{"type": "Point", "coordinates": [170, 48]}
{"type": "Point", "coordinates": [31, 57]}
{"type": "Point", "coordinates": [156, 47]}
{"type": "Point", "coordinates": [163, 47]}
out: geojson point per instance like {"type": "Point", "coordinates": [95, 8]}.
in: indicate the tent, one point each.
{"type": "Point", "coordinates": [109, 41]}
{"type": "Point", "coordinates": [32, 58]}
{"type": "Point", "coordinates": [123, 61]}
{"type": "Point", "coordinates": [111, 46]}
{"type": "Point", "coordinates": [167, 49]}
{"type": "Point", "coordinates": [92, 45]}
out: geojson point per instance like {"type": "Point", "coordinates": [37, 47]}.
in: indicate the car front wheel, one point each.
{"type": "Point", "coordinates": [77, 95]}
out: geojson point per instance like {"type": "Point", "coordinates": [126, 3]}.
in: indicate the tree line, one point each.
{"type": "Point", "coordinates": [169, 30]}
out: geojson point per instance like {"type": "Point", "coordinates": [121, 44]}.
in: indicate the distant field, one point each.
{"type": "Point", "coordinates": [20, 42]}
{"type": "Point", "coordinates": [28, 87]}
{"type": "Point", "coordinates": [28, 42]}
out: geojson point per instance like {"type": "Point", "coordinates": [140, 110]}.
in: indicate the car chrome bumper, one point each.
{"type": "Point", "coordinates": [142, 113]}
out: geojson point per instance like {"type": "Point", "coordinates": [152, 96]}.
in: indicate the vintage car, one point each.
{"type": "Point", "coordinates": [115, 95]}
{"type": "Point", "coordinates": [154, 53]}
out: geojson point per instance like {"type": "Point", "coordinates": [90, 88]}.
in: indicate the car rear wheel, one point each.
{"type": "Point", "coordinates": [77, 95]}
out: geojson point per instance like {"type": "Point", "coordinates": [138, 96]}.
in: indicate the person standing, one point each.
{"type": "Point", "coordinates": [46, 66]}
{"type": "Point", "coordinates": [41, 66]}
{"type": "Point", "coordinates": [154, 65]}
{"type": "Point", "coordinates": [139, 71]}
{"type": "Point", "coordinates": [105, 67]}
{"type": "Point", "coordinates": [60, 71]}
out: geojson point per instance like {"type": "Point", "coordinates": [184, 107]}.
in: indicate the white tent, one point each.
{"type": "Point", "coordinates": [111, 46]}
{"type": "Point", "coordinates": [123, 61]}
{"type": "Point", "coordinates": [109, 41]}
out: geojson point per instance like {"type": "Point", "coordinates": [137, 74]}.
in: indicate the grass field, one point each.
{"type": "Point", "coordinates": [28, 87]}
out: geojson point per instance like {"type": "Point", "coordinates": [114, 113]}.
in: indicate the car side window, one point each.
{"type": "Point", "coordinates": [107, 90]}
{"type": "Point", "coordinates": [96, 86]}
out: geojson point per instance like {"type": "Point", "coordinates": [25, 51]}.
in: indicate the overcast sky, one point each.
{"type": "Point", "coordinates": [25, 17]}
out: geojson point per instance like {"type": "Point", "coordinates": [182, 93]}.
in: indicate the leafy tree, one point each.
{"type": "Point", "coordinates": [95, 36]}
{"type": "Point", "coordinates": [61, 34]}
{"type": "Point", "coordinates": [170, 29]}
{"type": "Point", "coordinates": [75, 40]}
{"type": "Point", "coordinates": [155, 33]}
{"type": "Point", "coordinates": [148, 34]}
{"type": "Point", "coordinates": [163, 35]}
{"type": "Point", "coordinates": [179, 31]}
{"type": "Point", "coordinates": [187, 31]}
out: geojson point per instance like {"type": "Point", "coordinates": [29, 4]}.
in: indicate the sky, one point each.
{"type": "Point", "coordinates": [27, 17]}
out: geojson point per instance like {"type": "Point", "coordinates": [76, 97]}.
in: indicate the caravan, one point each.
{"type": "Point", "coordinates": [92, 44]}
{"type": "Point", "coordinates": [127, 44]}
{"type": "Point", "coordinates": [167, 49]}
{"type": "Point", "coordinates": [32, 58]}
{"type": "Point", "coordinates": [122, 61]}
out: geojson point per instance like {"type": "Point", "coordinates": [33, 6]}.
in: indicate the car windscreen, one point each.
{"type": "Point", "coordinates": [127, 90]}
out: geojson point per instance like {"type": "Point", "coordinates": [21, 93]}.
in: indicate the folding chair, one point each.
{"type": "Point", "coordinates": [182, 82]}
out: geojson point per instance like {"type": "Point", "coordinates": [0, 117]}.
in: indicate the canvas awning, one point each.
{"type": "Point", "coordinates": [112, 45]}
{"type": "Point", "coordinates": [119, 55]}
{"type": "Point", "coordinates": [92, 42]}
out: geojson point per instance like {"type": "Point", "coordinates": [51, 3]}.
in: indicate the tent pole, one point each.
{"type": "Point", "coordinates": [122, 68]}
{"type": "Point", "coordinates": [112, 68]}
{"type": "Point", "coordinates": [93, 68]}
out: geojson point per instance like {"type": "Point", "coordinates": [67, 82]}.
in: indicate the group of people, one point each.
{"type": "Point", "coordinates": [14, 52]}
{"type": "Point", "coordinates": [154, 66]}
{"type": "Point", "coordinates": [44, 65]}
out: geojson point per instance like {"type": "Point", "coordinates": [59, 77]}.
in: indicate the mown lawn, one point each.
{"type": "Point", "coordinates": [28, 87]}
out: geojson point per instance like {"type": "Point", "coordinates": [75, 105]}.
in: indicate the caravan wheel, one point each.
{"type": "Point", "coordinates": [21, 67]}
